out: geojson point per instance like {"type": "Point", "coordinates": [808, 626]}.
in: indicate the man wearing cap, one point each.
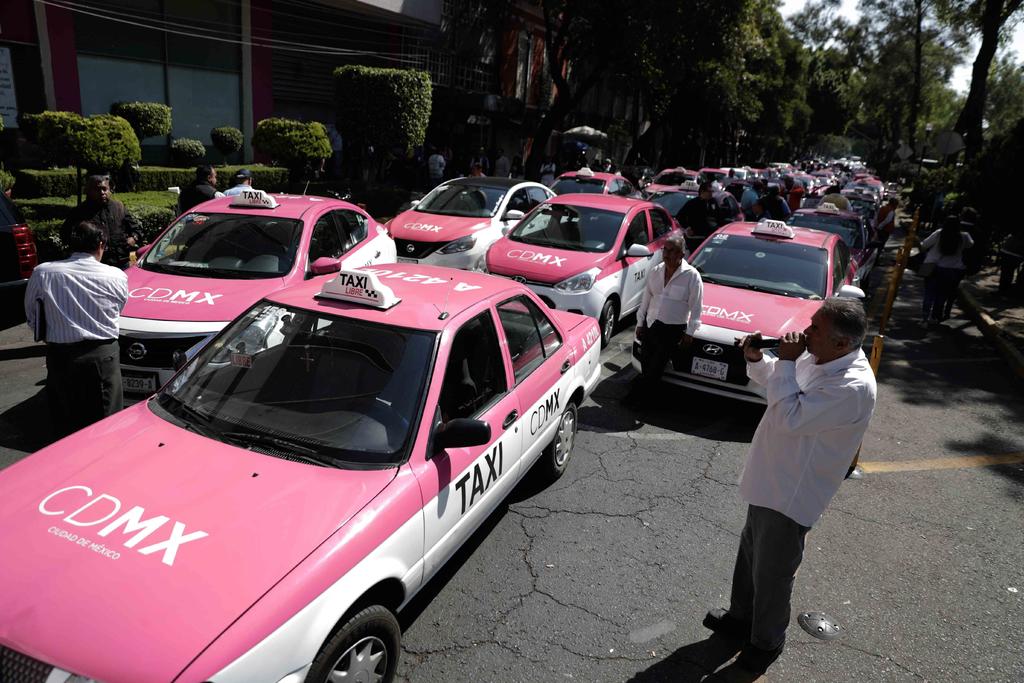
{"type": "Point", "coordinates": [243, 181]}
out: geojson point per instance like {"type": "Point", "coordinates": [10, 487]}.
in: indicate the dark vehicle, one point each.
{"type": "Point", "coordinates": [18, 255]}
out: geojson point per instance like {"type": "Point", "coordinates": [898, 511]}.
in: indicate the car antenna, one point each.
{"type": "Point", "coordinates": [443, 314]}
{"type": "Point", "coordinates": [305, 188]}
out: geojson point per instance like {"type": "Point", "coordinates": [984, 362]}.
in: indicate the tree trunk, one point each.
{"type": "Point", "coordinates": [915, 95]}
{"type": "Point", "coordinates": [968, 124]}
{"type": "Point", "coordinates": [552, 118]}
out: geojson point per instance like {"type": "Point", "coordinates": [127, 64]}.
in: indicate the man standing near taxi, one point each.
{"type": "Point", "coordinates": [121, 232]}
{"type": "Point", "coordinates": [668, 316]}
{"type": "Point", "coordinates": [242, 180]}
{"type": "Point", "coordinates": [73, 305]}
{"type": "Point", "coordinates": [821, 393]}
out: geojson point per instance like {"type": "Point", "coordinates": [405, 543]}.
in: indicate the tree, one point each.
{"type": "Point", "coordinates": [293, 144]}
{"type": "Point", "coordinates": [227, 140]}
{"type": "Point", "coordinates": [147, 119]}
{"type": "Point", "coordinates": [1004, 105]}
{"type": "Point", "coordinates": [187, 151]}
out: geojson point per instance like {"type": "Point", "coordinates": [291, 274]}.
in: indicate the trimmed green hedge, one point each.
{"type": "Point", "coordinates": [227, 140]}
{"type": "Point", "coordinates": [147, 119]}
{"type": "Point", "coordinates": [187, 152]}
{"type": "Point", "coordinates": [61, 182]}
{"type": "Point", "coordinates": [6, 179]}
{"type": "Point", "coordinates": [292, 142]}
{"type": "Point", "coordinates": [401, 105]}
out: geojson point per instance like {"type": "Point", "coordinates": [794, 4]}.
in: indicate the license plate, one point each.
{"type": "Point", "coordinates": [138, 384]}
{"type": "Point", "coordinates": [408, 260]}
{"type": "Point", "coordinates": [710, 368]}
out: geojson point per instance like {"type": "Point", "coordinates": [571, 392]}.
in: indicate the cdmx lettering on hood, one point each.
{"type": "Point", "coordinates": [167, 295]}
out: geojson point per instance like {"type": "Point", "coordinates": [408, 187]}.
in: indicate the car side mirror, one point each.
{"type": "Point", "coordinates": [461, 432]}
{"type": "Point", "coordinates": [325, 265]}
{"type": "Point", "coordinates": [850, 292]}
{"type": "Point", "coordinates": [513, 215]}
{"type": "Point", "coordinates": [143, 250]}
{"type": "Point", "coordinates": [638, 250]}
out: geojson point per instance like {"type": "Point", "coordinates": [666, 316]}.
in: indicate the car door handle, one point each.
{"type": "Point", "coordinates": [509, 419]}
{"type": "Point", "coordinates": [566, 365]}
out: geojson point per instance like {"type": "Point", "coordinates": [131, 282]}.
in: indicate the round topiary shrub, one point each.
{"type": "Point", "coordinates": [103, 143]}
{"type": "Point", "coordinates": [51, 130]}
{"type": "Point", "coordinates": [290, 142]}
{"type": "Point", "coordinates": [187, 151]}
{"type": "Point", "coordinates": [227, 140]}
{"type": "Point", "coordinates": [146, 118]}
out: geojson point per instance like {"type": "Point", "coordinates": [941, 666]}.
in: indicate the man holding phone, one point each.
{"type": "Point", "coordinates": [821, 394]}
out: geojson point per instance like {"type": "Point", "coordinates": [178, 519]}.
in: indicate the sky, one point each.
{"type": "Point", "coordinates": [961, 80]}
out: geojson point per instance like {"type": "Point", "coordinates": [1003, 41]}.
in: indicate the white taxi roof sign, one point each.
{"type": "Point", "coordinates": [774, 229]}
{"type": "Point", "coordinates": [828, 207]}
{"type": "Point", "coordinates": [689, 185]}
{"type": "Point", "coordinates": [359, 287]}
{"type": "Point", "coordinates": [585, 171]}
{"type": "Point", "coordinates": [254, 199]}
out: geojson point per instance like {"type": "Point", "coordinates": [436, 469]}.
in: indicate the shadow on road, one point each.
{"type": "Point", "coordinates": [690, 663]}
{"type": "Point", "coordinates": [27, 426]}
{"type": "Point", "coordinates": [19, 352]}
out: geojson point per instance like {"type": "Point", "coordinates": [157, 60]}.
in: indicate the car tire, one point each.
{"type": "Point", "coordinates": [554, 460]}
{"type": "Point", "coordinates": [608, 320]}
{"type": "Point", "coordinates": [369, 642]}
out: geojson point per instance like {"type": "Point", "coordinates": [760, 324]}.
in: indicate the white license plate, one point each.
{"type": "Point", "coordinates": [710, 368]}
{"type": "Point", "coordinates": [132, 384]}
{"type": "Point", "coordinates": [408, 260]}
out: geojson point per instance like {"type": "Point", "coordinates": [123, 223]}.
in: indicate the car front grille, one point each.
{"type": "Point", "coordinates": [417, 250]}
{"type": "Point", "coordinates": [156, 352]}
{"type": "Point", "coordinates": [18, 668]}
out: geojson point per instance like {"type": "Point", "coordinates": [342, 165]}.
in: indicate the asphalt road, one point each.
{"type": "Point", "coordinates": [605, 575]}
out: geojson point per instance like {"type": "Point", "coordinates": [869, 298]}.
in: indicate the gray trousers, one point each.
{"type": "Point", "coordinates": [771, 548]}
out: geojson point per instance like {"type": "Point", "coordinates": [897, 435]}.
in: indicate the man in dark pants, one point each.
{"type": "Point", "coordinates": [121, 231]}
{"type": "Point", "coordinates": [668, 316]}
{"type": "Point", "coordinates": [821, 393]}
{"type": "Point", "coordinates": [73, 305]}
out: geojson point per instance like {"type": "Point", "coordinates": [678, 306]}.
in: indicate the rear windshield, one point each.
{"type": "Point", "coordinates": [763, 265]}
{"type": "Point", "coordinates": [673, 178]}
{"type": "Point", "coordinates": [457, 199]}
{"type": "Point", "coordinates": [846, 228]}
{"type": "Point", "coordinates": [672, 201]}
{"type": "Point", "coordinates": [226, 245]}
{"type": "Point", "coordinates": [9, 214]}
{"type": "Point", "coordinates": [576, 228]}
{"type": "Point", "coordinates": [573, 185]}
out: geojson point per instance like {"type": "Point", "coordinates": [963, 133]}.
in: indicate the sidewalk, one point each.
{"type": "Point", "coordinates": [1000, 317]}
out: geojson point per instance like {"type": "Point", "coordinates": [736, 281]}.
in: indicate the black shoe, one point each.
{"type": "Point", "coordinates": [723, 623]}
{"type": "Point", "coordinates": [755, 660]}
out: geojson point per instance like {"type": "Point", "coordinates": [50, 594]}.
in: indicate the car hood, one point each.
{"type": "Point", "coordinates": [541, 264]}
{"type": "Point", "coordinates": [159, 296]}
{"type": "Point", "coordinates": [114, 608]}
{"type": "Point", "coordinates": [431, 227]}
{"type": "Point", "coordinates": [748, 311]}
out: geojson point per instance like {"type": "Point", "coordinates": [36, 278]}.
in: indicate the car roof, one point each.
{"type": "Point", "coordinates": [714, 170]}
{"type": "Point", "coordinates": [608, 202]}
{"type": "Point", "coordinates": [805, 236]}
{"type": "Point", "coordinates": [598, 175]}
{"type": "Point", "coordinates": [489, 181]}
{"type": "Point", "coordinates": [819, 212]}
{"type": "Point", "coordinates": [676, 169]}
{"type": "Point", "coordinates": [422, 301]}
{"type": "Point", "coordinates": [288, 206]}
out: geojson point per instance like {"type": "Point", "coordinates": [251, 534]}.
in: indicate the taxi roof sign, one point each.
{"type": "Point", "coordinates": [689, 185]}
{"type": "Point", "coordinates": [828, 207]}
{"type": "Point", "coordinates": [585, 171]}
{"type": "Point", "coordinates": [774, 229]}
{"type": "Point", "coordinates": [359, 287]}
{"type": "Point", "coordinates": [254, 199]}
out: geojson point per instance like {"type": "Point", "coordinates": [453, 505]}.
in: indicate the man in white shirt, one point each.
{"type": "Point", "coordinates": [242, 180]}
{"type": "Point", "coordinates": [668, 316]}
{"type": "Point", "coordinates": [73, 305]}
{"type": "Point", "coordinates": [821, 393]}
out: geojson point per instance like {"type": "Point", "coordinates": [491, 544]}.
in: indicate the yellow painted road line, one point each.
{"type": "Point", "coordinates": [942, 463]}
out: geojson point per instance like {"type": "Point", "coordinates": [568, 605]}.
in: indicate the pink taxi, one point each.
{"type": "Point", "coordinates": [458, 220]}
{"type": "Point", "coordinates": [765, 276]}
{"type": "Point", "coordinates": [215, 261]}
{"type": "Point", "coordinates": [587, 254]}
{"type": "Point", "coordinates": [294, 485]}
{"type": "Point", "coordinates": [671, 179]}
{"type": "Point", "coordinates": [587, 181]}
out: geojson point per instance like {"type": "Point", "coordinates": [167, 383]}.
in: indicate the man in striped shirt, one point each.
{"type": "Point", "coordinates": [73, 305]}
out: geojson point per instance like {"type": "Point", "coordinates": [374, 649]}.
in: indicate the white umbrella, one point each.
{"type": "Point", "coordinates": [587, 134]}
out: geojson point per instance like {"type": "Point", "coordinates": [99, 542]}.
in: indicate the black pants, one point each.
{"type": "Point", "coordinates": [83, 383]}
{"type": "Point", "coordinates": [771, 548]}
{"type": "Point", "coordinates": [659, 342]}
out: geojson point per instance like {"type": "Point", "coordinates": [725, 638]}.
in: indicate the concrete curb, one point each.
{"type": "Point", "coordinates": [993, 332]}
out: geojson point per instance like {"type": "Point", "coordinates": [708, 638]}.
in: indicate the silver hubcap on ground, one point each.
{"type": "Point", "coordinates": [566, 436]}
{"type": "Point", "coordinates": [364, 662]}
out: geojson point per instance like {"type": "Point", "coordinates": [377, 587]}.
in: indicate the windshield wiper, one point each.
{"type": "Point", "coordinates": [293, 447]}
{"type": "Point", "coordinates": [202, 428]}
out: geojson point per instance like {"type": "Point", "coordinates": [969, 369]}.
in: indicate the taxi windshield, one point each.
{"type": "Point", "coordinates": [575, 228]}
{"type": "Point", "coordinates": [846, 228]}
{"type": "Point", "coordinates": [763, 265]}
{"type": "Point", "coordinates": [226, 245]}
{"type": "Point", "coordinates": [306, 386]}
{"type": "Point", "coordinates": [458, 199]}
{"type": "Point", "coordinates": [673, 178]}
{"type": "Point", "coordinates": [578, 184]}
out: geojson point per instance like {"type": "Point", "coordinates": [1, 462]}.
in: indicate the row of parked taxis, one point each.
{"type": "Point", "coordinates": [338, 405]}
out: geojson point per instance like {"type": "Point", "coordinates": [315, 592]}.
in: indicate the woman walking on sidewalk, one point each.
{"type": "Point", "coordinates": [945, 261]}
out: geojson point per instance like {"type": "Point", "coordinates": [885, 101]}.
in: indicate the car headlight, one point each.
{"type": "Point", "coordinates": [460, 245]}
{"type": "Point", "coordinates": [578, 283]}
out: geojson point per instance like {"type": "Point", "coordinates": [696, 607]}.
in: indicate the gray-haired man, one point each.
{"type": "Point", "coordinates": [821, 393]}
